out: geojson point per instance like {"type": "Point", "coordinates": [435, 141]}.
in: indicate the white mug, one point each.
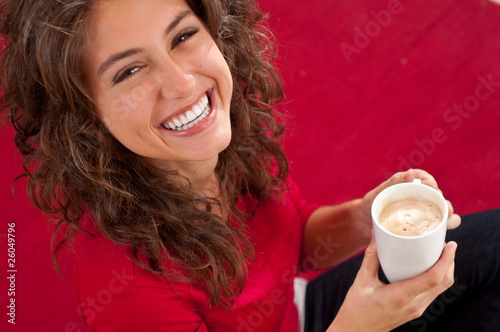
{"type": "Point", "coordinates": [404, 257]}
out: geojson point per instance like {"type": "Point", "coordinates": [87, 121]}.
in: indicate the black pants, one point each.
{"type": "Point", "coordinates": [471, 304]}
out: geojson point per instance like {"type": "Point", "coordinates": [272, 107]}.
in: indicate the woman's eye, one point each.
{"type": "Point", "coordinates": [133, 69]}
{"type": "Point", "coordinates": [184, 36]}
{"type": "Point", "coordinates": [126, 73]}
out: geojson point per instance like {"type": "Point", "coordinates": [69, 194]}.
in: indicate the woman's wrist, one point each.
{"type": "Point", "coordinates": [361, 223]}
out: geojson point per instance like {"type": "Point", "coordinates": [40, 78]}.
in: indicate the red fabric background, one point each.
{"type": "Point", "coordinates": [351, 123]}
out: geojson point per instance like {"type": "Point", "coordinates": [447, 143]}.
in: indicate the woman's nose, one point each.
{"type": "Point", "coordinates": [177, 82]}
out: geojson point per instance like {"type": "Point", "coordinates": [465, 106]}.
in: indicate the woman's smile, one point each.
{"type": "Point", "coordinates": [192, 119]}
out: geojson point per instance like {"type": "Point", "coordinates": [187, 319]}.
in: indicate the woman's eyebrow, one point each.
{"type": "Point", "coordinates": [178, 19]}
{"type": "Point", "coordinates": [115, 57]}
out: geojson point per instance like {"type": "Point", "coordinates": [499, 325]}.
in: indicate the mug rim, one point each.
{"type": "Point", "coordinates": [410, 184]}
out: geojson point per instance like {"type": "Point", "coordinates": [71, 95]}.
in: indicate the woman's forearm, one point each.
{"type": "Point", "coordinates": [334, 233]}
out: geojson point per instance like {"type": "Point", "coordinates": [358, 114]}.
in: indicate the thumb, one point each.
{"type": "Point", "coordinates": [369, 267]}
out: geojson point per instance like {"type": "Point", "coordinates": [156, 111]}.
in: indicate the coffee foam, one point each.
{"type": "Point", "coordinates": [410, 217]}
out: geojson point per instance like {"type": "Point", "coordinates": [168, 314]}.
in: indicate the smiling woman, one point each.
{"type": "Point", "coordinates": [148, 131]}
{"type": "Point", "coordinates": [91, 86]}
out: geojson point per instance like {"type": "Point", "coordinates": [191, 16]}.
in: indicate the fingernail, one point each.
{"type": "Point", "coordinates": [453, 246]}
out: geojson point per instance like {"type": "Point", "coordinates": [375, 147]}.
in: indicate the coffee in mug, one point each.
{"type": "Point", "coordinates": [410, 217]}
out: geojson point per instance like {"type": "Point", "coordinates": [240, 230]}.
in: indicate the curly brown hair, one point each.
{"type": "Point", "coordinates": [75, 167]}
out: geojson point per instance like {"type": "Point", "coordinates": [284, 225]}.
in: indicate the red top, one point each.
{"type": "Point", "coordinates": [116, 294]}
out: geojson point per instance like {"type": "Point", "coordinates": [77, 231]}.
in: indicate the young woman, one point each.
{"type": "Point", "coordinates": [147, 129]}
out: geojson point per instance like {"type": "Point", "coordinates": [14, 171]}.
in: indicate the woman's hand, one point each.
{"type": "Point", "coordinates": [362, 215]}
{"type": "Point", "coordinates": [371, 305]}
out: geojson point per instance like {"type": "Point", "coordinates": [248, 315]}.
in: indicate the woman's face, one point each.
{"type": "Point", "coordinates": [161, 85]}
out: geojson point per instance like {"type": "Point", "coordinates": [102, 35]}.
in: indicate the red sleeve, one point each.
{"type": "Point", "coordinates": [304, 209]}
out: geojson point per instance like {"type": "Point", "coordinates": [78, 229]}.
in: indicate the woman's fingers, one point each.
{"type": "Point", "coordinates": [420, 174]}
{"type": "Point", "coordinates": [370, 264]}
{"type": "Point", "coordinates": [384, 306]}
{"type": "Point", "coordinates": [437, 279]}
{"type": "Point", "coordinates": [454, 220]}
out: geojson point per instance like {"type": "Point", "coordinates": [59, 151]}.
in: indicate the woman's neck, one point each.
{"type": "Point", "coordinates": [203, 179]}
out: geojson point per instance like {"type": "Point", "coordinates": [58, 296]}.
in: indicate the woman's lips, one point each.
{"type": "Point", "coordinates": [190, 117]}
{"type": "Point", "coordinates": [193, 120]}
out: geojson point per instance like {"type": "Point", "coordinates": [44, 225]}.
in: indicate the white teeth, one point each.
{"type": "Point", "coordinates": [190, 115]}
{"type": "Point", "coordinates": [197, 110]}
{"type": "Point", "coordinates": [177, 122]}
{"type": "Point", "coordinates": [184, 120]}
{"type": "Point", "coordinates": [190, 118]}
{"type": "Point", "coordinates": [191, 124]}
